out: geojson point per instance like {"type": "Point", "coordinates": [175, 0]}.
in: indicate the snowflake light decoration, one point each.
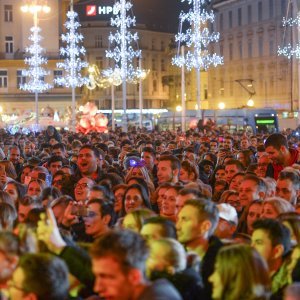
{"type": "Point", "coordinates": [35, 72]}
{"type": "Point", "coordinates": [196, 38]}
{"type": "Point", "coordinates": [72, 64]}
{"type": "Point", "coordinates": [289, 51]}
{"type": "Point", "coordinates": [123, 53]}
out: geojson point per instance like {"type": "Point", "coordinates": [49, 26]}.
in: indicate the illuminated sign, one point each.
{"type": "Point", "coordinates": [265, 121]}
{"type": "Point", "coordinates": [92, 10]}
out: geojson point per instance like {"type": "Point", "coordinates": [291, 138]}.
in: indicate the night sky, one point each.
{"type": "Point", "coordinates": [157, 15]}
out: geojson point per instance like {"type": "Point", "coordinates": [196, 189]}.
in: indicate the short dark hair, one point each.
{"type": "Point", "coordinates": [261, 185]}
{"type": "Point", "coordinates": [54, 158]}
{"type": "Point", "coordinates": [276, 140]}
{"type": "Point", "coordinates": [207, 210]}
{"type": "Point", "coordinates": [60, 146]}
{"type": "Point", "coordinates": [106, 208]}
{"type": "Point", "coordinates": [292, 176]}
{"type": "Point", "coordinates": [149, 150]}
{"type": "Point", "coordinates": [167, 226]}
{"type": "Point", "coordinates": [277, 232]}
{"type": "Point", "coordinates": [175, 162]}
{"type": "Point", "coordinates": [45, 275]}
{"type": "Point", "coordinates": [125, 246]}
{"type": "Point", "coordinates": [94, 149]}
{"type": "Point", "coordinates": [235, 162]}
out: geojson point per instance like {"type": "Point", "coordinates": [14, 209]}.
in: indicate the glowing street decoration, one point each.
{"type": "Point", "coordinates": [196, 38]}
{"type": "Point", "coordinates": [72, 64]}
{"type": "Point", "coordinates": [35, 72]}
{"type": "Point", "coordinates": [123, 53]}
{"type": "Point", "coordinates": [289, 51]}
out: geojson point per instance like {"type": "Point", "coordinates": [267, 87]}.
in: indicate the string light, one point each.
{"type": "Point", "coordinates": [123, 53]}
{"type": "Point", "coordinates": [197, 38]}
{"type": "Point", "coordinates": [289, 51]}
{"type": "Point", "coordinates": [72, 63]}
{"type": "Point", "coordinates": [35, 72]}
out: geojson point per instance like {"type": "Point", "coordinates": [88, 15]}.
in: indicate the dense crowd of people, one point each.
{"type": "Point", "coordinates": [137, 215]}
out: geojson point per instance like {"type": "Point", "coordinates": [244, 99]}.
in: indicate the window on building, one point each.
{"type": "Point", "coordinates": [3, 79]}
{"type": "Point", "coordinates": [162, 46]}
{"type": "Point", "coordinates": [153, 64]}
{"type": "Point", "coordinates": [231, 87]}
{"type": "Point", "coordinates": [20, 78]}
{"type": "Point", "coordinates": [153, 44]}
{"type": "Point", "coordinates": [221, 50]}
{"type": "Point", "coordinates": [154, 86]}
{"type": "Point", "coordinates": [221, 21]}
{"type": "Point", "coordinates": [271, 9]}
{"type": "Point", "coordinates": [99, 62]}
{"type": "Point", "coordinates": [249, 14]}
{"type": "Point", "coordinates": [56, 75]}
{"type": "Point", "coordinates": [8, 13]}
{"type": "Point", "coordinates": [260, 46]}
{"type": "Point", "coordinates": [283, 7]}
{"type": "Point", "coordinates": [98, 41]}
{"type": "Point", "coordinates": [240, 16]}
{"type": "Point", "coordinates": [249, 49]}
{"type": "Point", "coordinates": [9, 44]}
{"type": "Point", "coordinates": [240, 49]}
{"type": "Point", "coordinates": [259, 7]}
{"type": "Point", "coordinates": [230, 18]}
{"type": "Point", "coordinates": [163, 65]}
{"type": "Point", "coordinates": [230, 51]}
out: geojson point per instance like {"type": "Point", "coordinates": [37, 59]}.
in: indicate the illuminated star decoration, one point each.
{"type": "Point", "coordinates": [289, 51]}
{"type": "Point", "coordinates": [123, 53]}
{"type": "Point", "coordinates": [35, 72]}
{"type": "Point", "coordinates": [196, 38]}
{"type": "Point", "coordinates": [72, 52]}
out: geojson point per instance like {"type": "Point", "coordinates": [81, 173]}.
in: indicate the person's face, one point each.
{"type": "Point", "coordinates": [253, 142]}
{"type": "Point", "coordinates": [213, 147]}
{"type": "Point", "coordinates": [160, 197]}
{"type": "Point", "coordinates": [169, 203]}
{"type": "Point", "coordinates": [165, 172]}
{"type": "Point", "coordinates": [119, 194]}
{"type": "Point", "coordinates": [184, 175]}
{"type": "Point", "coordinates": [227, 144]}
{"type": "Point", "coordinates": [285, 190]}
{"type": "Point", "coordinates": [248, 192]}
{"type": "Point", "coordinates": [34, 189]}
{"type": "Point", "coordinates": [151, 232]}
{"type": "Point", "coordinates": [268, 211]}
{"type": "Point", "coordinates": [190, 156]}
{"type": "Point", "coordinates": [157, 258]}
{"type": "Point", "coordinates": [262, 166]}
{"type": "Point", "coordinates": [7, 265]}
{"type": "Point", "coordinates": [12, 191]}
{"type": "Point", "coordinates": [133, 200]}
{"type": "Point", "coordinates": [23, 212]}
{"type": "Point", "coordinates": [87, 161]}
{"type": "Point", "coordinates": [253, 214]}
{"type": "Point", "coordinates": [110, 280]}
{"type": "Point", "coordinates": [220, 174]}
{"type": "Point", "coordinates": [130, 223]}
{"type": "Point", "coordinates": [188, 225]}
{"type": "Point", "coordinates": [57, 181]}
{"type": "Point", "coordinates": [82, 189]}
{"type": "Point", "coordinates": [208, 169]}
{"type": "Point", "coordinates": [230, 171]}
{"type": "Point", "coordinates": [14, 155]}
{"type": "Point", "coordinates": [55, 166]}
{"type": "Point", "coordinates": [244, 144]}
{"type": "Point", "coordinates": [241, 157]}
{"type": "Point", "coordinates": [15, 286]}
{"type": "Point", "coordinates": [235, 183]}
{"type": "Point", "coordinates": [94, 224]}
{"type": "Point", "coordinates": [27, 149]}
{"type": "Point", "coordinates": [58, 152]}
{"type": "Point", "coordinates": [149, 160]}
{"type": "Point", "coordinates": [262, 243]}
{"type": "Point", "coordinates": [217, 285]}
{"type": "Point", "coordinates": [136, 172]}
{"type": "Point", "coordinates": [275, 155]}
{"type": "Point", "coordinates": [234, 201]}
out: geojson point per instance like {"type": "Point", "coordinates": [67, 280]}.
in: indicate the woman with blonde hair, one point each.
{"type": "Point", "coordinates": [240, 273]}
{"type": "Point", "coordinates": [273, 207]}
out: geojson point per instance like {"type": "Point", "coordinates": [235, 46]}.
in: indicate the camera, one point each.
{"type": "Point", "coordinates": [79, 210]}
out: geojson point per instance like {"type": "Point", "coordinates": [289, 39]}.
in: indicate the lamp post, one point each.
{"type": "Point", "coordinates": [35, 71]}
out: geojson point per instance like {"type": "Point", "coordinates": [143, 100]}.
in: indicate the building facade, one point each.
{"type": "Point", "coordinates": [251, 32]}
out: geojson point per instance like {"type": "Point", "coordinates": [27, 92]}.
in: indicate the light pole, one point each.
{"type": "Point", "coordinates": [35, 71]}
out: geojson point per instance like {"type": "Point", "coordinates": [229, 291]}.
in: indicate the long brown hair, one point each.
{"type": "Point", "coordinates": [243, 272]}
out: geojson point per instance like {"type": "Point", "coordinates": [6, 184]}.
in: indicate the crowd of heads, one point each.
{"type": "Point", "coordinates": [202, 214]}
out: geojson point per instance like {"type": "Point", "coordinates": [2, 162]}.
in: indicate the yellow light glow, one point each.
{"type": "Point", "coordinates": [250, 103]}
{"type": "Point", "coordinates": [178, 108]}
{"type": "Point", "coordinates": [221, 105]}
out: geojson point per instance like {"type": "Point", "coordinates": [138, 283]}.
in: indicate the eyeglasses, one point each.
{"type": "Point", "coordinates": [81, 185]}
